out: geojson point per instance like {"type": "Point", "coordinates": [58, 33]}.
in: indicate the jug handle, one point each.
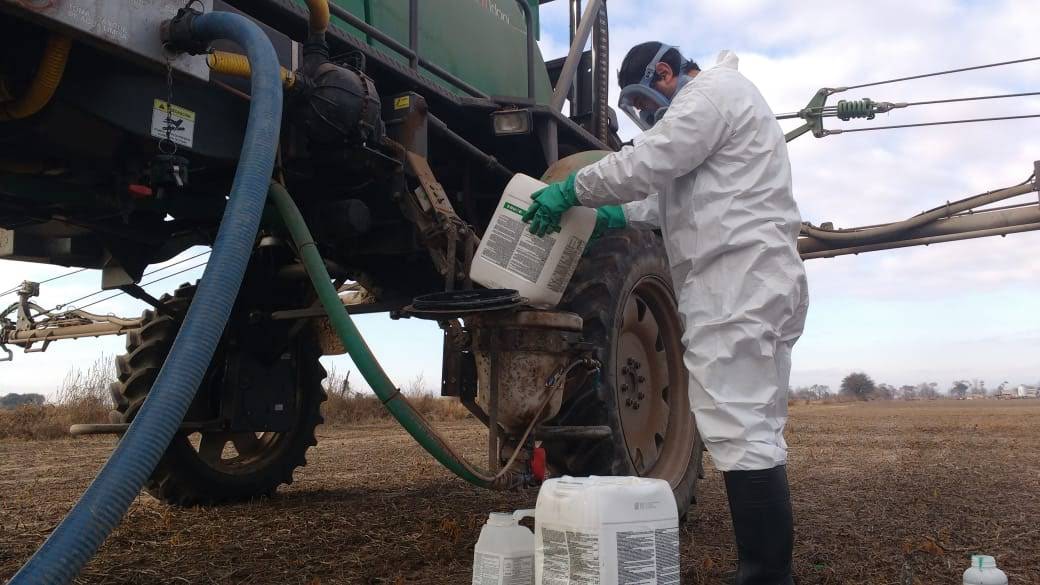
{"type": "Point", "coordinates": [521, 514]}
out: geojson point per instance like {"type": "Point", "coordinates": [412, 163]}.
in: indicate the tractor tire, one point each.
{"type": "Point", "coordinates": [622, 290]}
{"type": "Point", "coordinates": [206, 468]}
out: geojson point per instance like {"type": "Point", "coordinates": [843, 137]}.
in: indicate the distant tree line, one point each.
{"type": "Point", "coordinates": [13, 400]}
{"type": "Point", "coordinates": [860, 386]}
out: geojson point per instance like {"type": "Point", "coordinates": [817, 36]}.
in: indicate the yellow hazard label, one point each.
{"type": "Point", "coordinates": [173, 123]}
{"type": "Point", "coordinates": [402, 102]}
{"type": "Point", "coordinates": [183, 113]}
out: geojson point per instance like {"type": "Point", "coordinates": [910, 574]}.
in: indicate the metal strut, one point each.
{"type": "Point", "coordinates": [955, 220]}
{"type": "Point", "coordinates": [34, 325]}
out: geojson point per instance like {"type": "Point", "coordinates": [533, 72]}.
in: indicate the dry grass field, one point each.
{"type": "Point", "coordinates": [886, 493]}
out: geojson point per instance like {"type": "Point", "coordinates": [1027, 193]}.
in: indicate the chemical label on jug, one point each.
{"type": "Point", "coordinates": [512, 247]}
{"type": "Point", "coordinates": [501, 239]}
{"type": "Point", "coordinates": [571, 557]}
{"type": "Point", "coordinates": [648, 557]}
{"type": "Point", "coordinates": [568, 262]}
{"type": "Point", "coordinates": [530, 256]}
{"type": "Point", "coordinates": [492, 569]}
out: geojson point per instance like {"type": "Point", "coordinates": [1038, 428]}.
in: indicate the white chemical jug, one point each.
{"type": "Point", "coordinates": [539, 268]}
{"type": "Point", "coordinates": [504, 554]}
{"type": "Point", "coordinates": [606, 531]}
{"type": "Point", "coordinates": [984, 571]}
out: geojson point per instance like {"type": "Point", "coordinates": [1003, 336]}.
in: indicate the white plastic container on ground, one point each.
{"type": "Point", "coordinates": [606, 531]}
{"type": "Point", "coordinates": [504, 554]}
{"type": "Point", "coordinates": [539, 268]}
{"type": "Point", "coordinates": [984, 571]}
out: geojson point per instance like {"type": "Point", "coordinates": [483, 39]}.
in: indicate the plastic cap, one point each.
{"type": "Point", "coordinates": [137, 191]}
{"type": "Point", "coordinates": [501, 519]}
{"type": "Point", "coordinates": [983, 562]}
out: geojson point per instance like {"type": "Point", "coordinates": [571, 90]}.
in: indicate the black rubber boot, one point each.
{"type": "Point", "coordinates": [760, 504]}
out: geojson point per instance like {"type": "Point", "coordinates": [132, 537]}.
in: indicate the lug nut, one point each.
{"type": "Point", "coordinates": [624, 387]}
{"type": "Point", "coordinates": [628, 402]}
{"type": "Point", "coordinates": [631, 362]}
{"type": "Point", "coordinates": [640, 396]}
{"type": "Point", "coordinates": [637, 365]}
{"type": "Point", "coordinates": [641, 379]}
{"type": "Point", "coordinates": [625, 370]}
{"type": "Point", "coordinates": [636, 406]}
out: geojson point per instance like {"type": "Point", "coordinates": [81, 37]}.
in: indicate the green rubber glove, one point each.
{"type": "Point", "coordinates": [608, 217]}
{"type": "Point", "coordinates": [544, 222]}
{"type": "Point", "coordinates": [549, 204]}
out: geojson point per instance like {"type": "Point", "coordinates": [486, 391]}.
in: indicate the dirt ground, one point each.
{"type": "Point", "coordinates": [895, 493]}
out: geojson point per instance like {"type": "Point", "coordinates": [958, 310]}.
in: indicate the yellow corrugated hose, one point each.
{"type": "Point", "coordinates": [42, 87]}
{"type": "Point", "coordinates": [238, 66]}
{"type": "Point", "coordinates": [319, 12]}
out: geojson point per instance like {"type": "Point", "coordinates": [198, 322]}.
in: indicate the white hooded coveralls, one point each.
{"type": "Point", "coordinates": [714, 176]}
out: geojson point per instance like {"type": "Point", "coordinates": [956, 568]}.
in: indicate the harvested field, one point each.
{"type": "Point", "coordinates": [895, 493]}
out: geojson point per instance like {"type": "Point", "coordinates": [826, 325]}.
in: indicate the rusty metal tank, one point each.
{"type": "Point", "coordinates": [518, 356]}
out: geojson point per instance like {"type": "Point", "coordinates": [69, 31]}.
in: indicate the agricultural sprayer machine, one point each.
{"type": "Point", "coordinates": [343, 158]}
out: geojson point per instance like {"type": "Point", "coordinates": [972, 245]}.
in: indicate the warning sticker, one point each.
{"type": "Point", "coordinates": [178, 121]}
{"type": "Point", "coordinates": [401, 102]}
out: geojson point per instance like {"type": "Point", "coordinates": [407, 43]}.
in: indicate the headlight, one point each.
{"type": "Point", "coordinates": [511, 122]}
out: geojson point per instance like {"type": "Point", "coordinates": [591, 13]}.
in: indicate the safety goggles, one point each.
{"type": "Point", "coordinates": [640, 101]}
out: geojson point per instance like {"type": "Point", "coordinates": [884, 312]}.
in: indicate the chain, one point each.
{"type": "Point", "coordinates": [167, 145]}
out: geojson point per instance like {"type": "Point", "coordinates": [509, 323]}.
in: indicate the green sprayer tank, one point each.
{"type": "Point", "coordinates": [480, 41]}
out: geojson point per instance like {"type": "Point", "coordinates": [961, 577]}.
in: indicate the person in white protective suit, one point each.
{"type": "Point", "coordinates": [711, 171]}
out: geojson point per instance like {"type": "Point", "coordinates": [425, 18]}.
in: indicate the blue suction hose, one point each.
{"type": "Point", "coordinates": [103, 505]}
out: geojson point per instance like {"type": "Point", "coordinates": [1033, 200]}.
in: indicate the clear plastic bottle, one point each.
{"type": "Point", "coordinates": [504, 554]}
{"type": "Point", "coordinates": [984, 571]}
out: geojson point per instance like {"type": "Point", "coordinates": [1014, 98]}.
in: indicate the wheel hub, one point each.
{"type": "Point", "coordinates": [657, 424]}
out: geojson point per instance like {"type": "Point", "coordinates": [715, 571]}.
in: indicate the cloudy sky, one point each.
{"type": "Point", "coordinates": [952, 311]}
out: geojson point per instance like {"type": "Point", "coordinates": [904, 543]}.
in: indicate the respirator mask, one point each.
{"type": "Point", "coordinates": [644, 104]}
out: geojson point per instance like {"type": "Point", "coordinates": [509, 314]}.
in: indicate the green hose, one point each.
{"type": "Point", "coordinates": [366, 363]}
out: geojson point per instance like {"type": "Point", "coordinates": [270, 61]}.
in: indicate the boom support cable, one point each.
{"type": "Point", "coordinates": [830, 111]}
{"type": "Point", "coordinates": [937, 73]}
{"type": "Point", "coordinates": [817, 110]}
{"type": "Point", "coordinates": [61, 306]}
{"type": "Point", "coordinates": [919, 124]}
{"type": "Point", "coordinates": [59, 277]}
{"type": "Point", "coordinates": [108, 298]}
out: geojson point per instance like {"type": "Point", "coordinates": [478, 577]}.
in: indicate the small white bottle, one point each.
{"type": "Point", "coordinates": [984, 571]}
{"type": "Point", "coordinates": [504, 554]}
